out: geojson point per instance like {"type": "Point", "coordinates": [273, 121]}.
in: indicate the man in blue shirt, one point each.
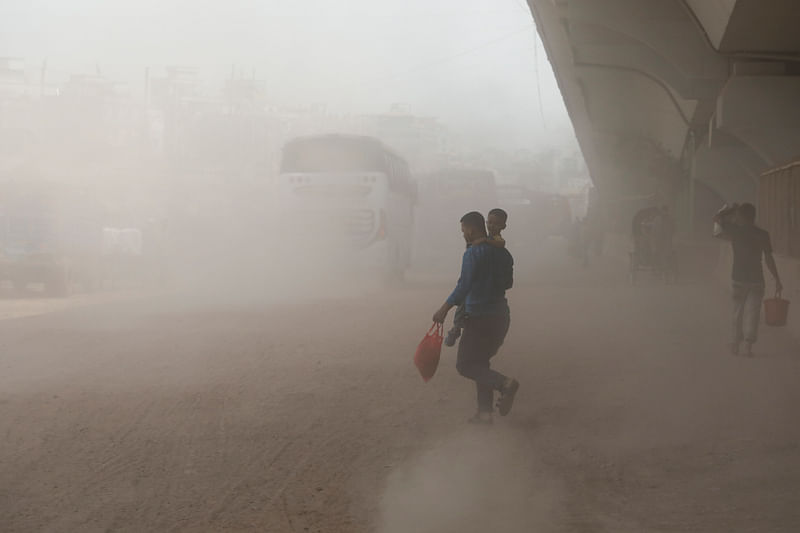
{"type": "Point", "coordinates": [486, 273]}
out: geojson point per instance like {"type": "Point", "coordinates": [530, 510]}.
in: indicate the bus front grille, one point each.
{"type": "Point", "coordinates": [358, 223]}
{"type": "Point", "coordinates": [352, 224]}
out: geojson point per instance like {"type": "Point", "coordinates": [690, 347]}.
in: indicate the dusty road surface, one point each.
{"type": "Point", "coordinates": [183, 413]}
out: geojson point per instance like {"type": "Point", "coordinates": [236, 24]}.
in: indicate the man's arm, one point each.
{"type": "Point", "coordinates": [441, 314]}
{"type": "Point", "coordinates": [773, 269]}
{"type": "Point", "coordinates": [771, 266]}
{"type": "Point", "coordinates": [719, 218]}
{"type": "Point", "coordinates": [724, 228]}
{"type": "Point", "coordinates": [497, 241]}
{"type": "Point", "coordinates": [463, 286]}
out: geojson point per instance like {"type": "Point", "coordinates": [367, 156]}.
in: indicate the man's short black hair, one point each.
{"type": "Point", "coordinates": [748, 211]}
{"type": "Point", "coordinates": [499, 213]}
{"type": "Point", "coordinates": [474, 219]}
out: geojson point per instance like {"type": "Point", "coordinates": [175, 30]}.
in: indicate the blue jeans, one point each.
{"type": "Point", "coordinates": [747, 298]}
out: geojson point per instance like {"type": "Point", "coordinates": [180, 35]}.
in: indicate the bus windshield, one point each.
{"type": "Point", "coordinates": [332, 155]}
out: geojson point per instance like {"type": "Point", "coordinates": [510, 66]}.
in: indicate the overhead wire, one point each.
{"type": "Point", "coordinates": [525, 8]}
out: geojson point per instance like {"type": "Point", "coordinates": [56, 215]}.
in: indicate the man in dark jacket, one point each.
{"type": "Point", "coordinates": [486, 274]}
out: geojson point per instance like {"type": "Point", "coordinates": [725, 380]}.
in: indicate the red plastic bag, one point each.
{"type": "Point", "coordinates": [776, 310]}
{"type": "Point", "coordinates": [428, 351]}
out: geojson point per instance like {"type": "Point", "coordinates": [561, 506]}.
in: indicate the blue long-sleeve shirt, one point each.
{"type": "Point", "coordinates": [486, 273]}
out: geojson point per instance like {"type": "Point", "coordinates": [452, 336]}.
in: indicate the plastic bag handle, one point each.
{"type": "Point", "coordinates": [778, 294]}
{"type": "Point", "coordinates": [438, 327]}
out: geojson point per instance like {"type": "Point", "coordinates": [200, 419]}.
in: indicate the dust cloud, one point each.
{"type": "Point", "coordinates": [139, 155]}
{"type": "Point", "coordinates": [223, 228]}
{"type": "Point", "coordinates": [471, 482]}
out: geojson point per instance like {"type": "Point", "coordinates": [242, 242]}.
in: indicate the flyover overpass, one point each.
{"type": "Point", "coordinates": [683, 102]}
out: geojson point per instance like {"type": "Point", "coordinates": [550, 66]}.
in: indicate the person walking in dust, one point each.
{"type": "Point", "coordinates": [495, 223]}
{"type": "Point", "coordinates": [749, 244]}
{"type": "Point", "coordinates": [486, 273]}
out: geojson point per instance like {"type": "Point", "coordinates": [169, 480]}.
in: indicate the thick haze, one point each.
{"type": "Point", "coordinates": [472, 63]}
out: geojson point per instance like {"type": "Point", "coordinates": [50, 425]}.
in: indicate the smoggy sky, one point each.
{"type": "Point", "coordinates": [470, 62]}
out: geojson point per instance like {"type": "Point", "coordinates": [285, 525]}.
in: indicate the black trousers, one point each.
{"type": "Point", "coordinates": [480, 341]}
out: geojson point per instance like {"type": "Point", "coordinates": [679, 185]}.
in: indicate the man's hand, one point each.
{"type": "Point", "coordinates": [725, 212]}
{"type": "Point", "coordinates": [441, 314]}
{"type": "Point", "coordinates": [778, 286]}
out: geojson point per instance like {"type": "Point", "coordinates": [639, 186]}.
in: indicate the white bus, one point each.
{"type": "Point", "coordinates": [354, 189]}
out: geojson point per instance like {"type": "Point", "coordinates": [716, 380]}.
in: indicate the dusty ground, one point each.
{"type": "Point", "coordinates": [177, 413]}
